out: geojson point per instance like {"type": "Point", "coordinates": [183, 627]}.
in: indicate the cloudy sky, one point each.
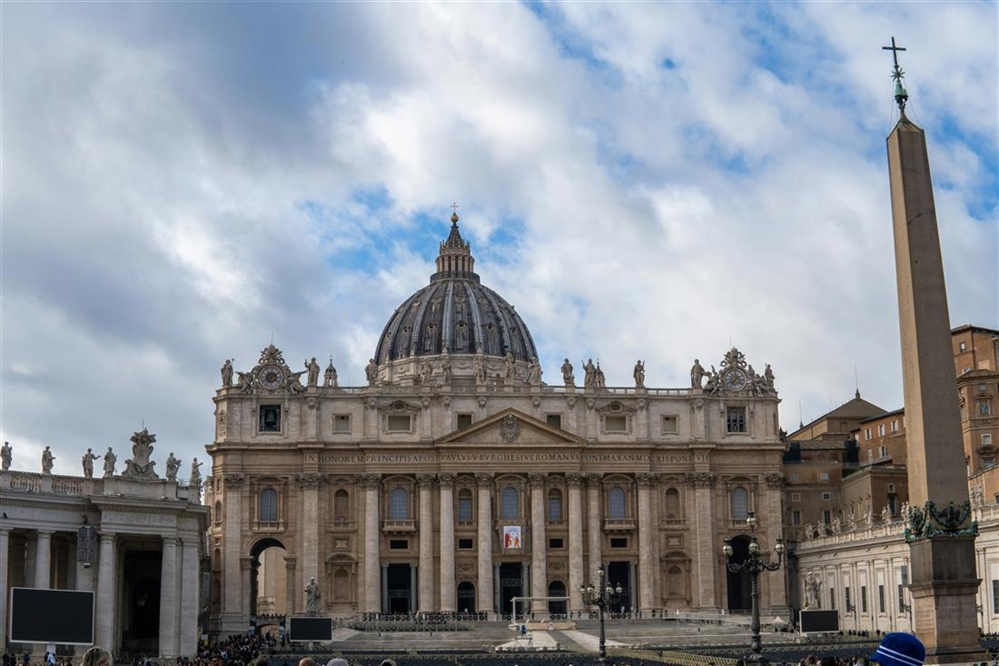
{"type": "Point", "coordinates": [185, 182]}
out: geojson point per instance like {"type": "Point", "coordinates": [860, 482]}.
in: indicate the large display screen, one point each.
{"type": "Point", "coordinates": [51, 616]}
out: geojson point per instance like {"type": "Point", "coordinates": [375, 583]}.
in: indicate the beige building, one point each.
{"type": "Point", "coordinates": [133, 538]}
{"type": "Point", "coordinates": [456, 479]}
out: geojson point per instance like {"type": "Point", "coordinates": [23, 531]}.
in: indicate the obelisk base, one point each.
{"type": "Point", "coordinates": [943, 588]}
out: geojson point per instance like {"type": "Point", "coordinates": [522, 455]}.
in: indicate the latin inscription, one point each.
{"type": "Point", "coordinates": [616, 457]}
{"type": "Point", "coordinates": [485, 457]}
{"type": "Point", "coordinates": [672, 458]}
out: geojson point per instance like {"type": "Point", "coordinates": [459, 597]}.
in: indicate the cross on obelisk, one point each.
{"type": "Point", "coordinates": [939, 529]}
{"type": "Point", "coordinates": [901, 96]}
{"type": "Point", "coordinates": [894, 50]}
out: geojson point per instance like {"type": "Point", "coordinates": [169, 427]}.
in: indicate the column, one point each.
{"type": "Point", "coordinates": [232, 618]}
{"type": "Point", "coordinates": [484, 589]}
{"type": "Point", "coordinates": [576, 577]}
{"type": "Point", "coordinates": [372, 562]}
{"type": "Point", "coordinates": [310, 484]}
{"type": "Point", "coordinates": [539, 544]}
{"type": "Point", "coordinates": [646, 544]}
{"type": "Point", "coordinates": [701, 514]}
{"type": "Point", "coordinates": [776, 582]}
{"type": "Point", "coordinates": [426, 568]}
{"type": "Point", "coordinates": [43, 559]}
{"type": "Point", "coordinates": [290, 589]}
{"type": "Point", "coordinates": [106, 570]}
{"type": "Point", "coordinates": [190, 585]}
{"type": "Point", "coordinates": [4, 572]}
{"type": "Point", "coordinates": [449, 600]}
{"type": "Point", "coordinates": [246, 569]}
{"type": "Point", "coordinates": [594, 528]}
{"type": "Point", "coordinates": [168, 598]}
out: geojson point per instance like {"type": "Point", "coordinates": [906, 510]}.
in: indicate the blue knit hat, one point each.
{"type": "Point", "coordinates": [899, 649]}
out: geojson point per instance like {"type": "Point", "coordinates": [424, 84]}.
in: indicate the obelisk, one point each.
{"type": "Point", "coordinates": [939, 529]}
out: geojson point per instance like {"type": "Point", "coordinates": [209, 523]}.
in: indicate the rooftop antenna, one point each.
{"type": "Point", "coordinates": [901, 96]}
{"type": "Point", "coordinates": [856, 382]}
{"type": "Point", "coordinates": [801, 418]}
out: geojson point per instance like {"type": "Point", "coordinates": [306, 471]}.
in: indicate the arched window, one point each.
{"type": "Point", "coordinates": [341, 585]}
{"type": "Point", "coordinates": [555, 505]}
{"type": "Point", "coordinates": [399, 504]}
{"type": "Point", "coordinates": [268, 505]}
{"type": "Point", "coordinates": [510, 503]}
{"type": "Point", "coordinates": [672, 504]}
{"type": "Point", "coordinates": [341, 507]}
{"type": "Point", "coordinates": [615, 503]}
{"type": "Point", "coordinates": [740, 504]}
{"type": "Point", "coordinates": [218, 512]}
{"type": "Point", "coordinates": [464, 505]}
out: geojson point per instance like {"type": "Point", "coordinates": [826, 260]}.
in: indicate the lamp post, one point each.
{"type": "Point", "coordinates": [600, 596]}
{"type": "Point", "coordinates": [754, 565]}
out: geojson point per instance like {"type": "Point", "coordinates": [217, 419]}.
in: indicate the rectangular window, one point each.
{"type": "Point", "coordinates": [556, 544]}
{"type": "Point", "coordinates": [882, 451]}
{"type": "Point", "coordinates": [796, 517]}
{"type": "Point", "coordinates": [615, 424]}
{"type": "Point", "coordinates": [466, 544]}
{"type": "Point", "coordinates": [554, 420]}
{"type": "Point", "coordinates": [398, 544]}
{"type": "Point", "coordinates": [826, 516]}
{"type": "Point", "coordinates": [986, 439]}
{"type": "Point", "coordinates": [794, 476]}
{"type": "Point", "coordinates": [901, 597]}
{"type": "Point", "coordinates": [881, 430]}
{"type": "Point", "coordinates": [671, 425]}
{"type": "Point", "coordinates": [399, 423]}
{"type": "Point", "coordinates": [270, 418]}
{"type": "Point", "coordinates": [619, 542]}
{"type": "Point", "coordinates": [341, 423]}
{"type": "Point", "coordinates": [735, 420]}
{"type": "Point", "coordinates": [867, 434]}
{"type": "Point", "coordinates": [832, 598]}
{"type": "Point", "coordinates": [846, 598]}
{"type": "Point", "coordinates": [826, 497]}
{"type": "Point", "coordinates": [995, 595]}
{"type": "Point", "coordinates": [463, 421]}
{"type": "Point", "coordinates": [881, 598]}
{"type": "Point", "coordinates": [823, 476]}
{"type": "Point", "coordinates": [894, 425]}
{"type": "Point", "coordinates": [863, 598]}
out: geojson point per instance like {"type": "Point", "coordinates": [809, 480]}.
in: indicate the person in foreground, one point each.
{"type": "Point", "coordinates": [97, 656]}
{"type": "Point", "coordinates": [899, 649]}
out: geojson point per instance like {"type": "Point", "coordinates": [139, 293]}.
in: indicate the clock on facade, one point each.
{"type": "Point", "coordinates": [271, 376]}
{"type": "Point", "coordinates": [735, 379]}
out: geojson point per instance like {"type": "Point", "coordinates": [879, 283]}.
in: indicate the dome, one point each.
{"type": "Point", "coordinates": [455, 314]}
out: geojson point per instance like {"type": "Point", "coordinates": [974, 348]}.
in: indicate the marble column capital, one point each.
{"type": "Point", "coordinates": [369, 481]}
{"type": "Point", "coordinates": [310, 480]}
{"type": "Point", "coordinates": [484, 480]}
{"type": "Point", "coordinates": [574, 479]}
{"type": "Point", "coordinates": [645, 479]}
{"type": "Point", "coordinates": [233, 481]}
{"type": "Point", "coordinates": [537, 478]}
{"type": "Point", "coordinates": [446, 480]}
{"type": "Point", "coordinates": [425, 481]}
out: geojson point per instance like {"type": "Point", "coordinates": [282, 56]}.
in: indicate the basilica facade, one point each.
{"type": "Point", "coordinates": [457, 481]}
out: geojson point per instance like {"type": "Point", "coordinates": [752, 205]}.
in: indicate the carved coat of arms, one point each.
{"type": "Point", "coordinates": [510, 428]}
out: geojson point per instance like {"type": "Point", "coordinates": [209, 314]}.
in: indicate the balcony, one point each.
{"type": "Point", "coordinates": [619, 525]}
{"type": "Point", "coordinates": [399, 527]}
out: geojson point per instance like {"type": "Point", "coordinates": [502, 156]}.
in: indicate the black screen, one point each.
{"type": "Point", "coordinates": [51, 616]}
{"type": "Point", "coordinates": [819, 620]}
{"type": "Point", "coordinates": [311, 629]}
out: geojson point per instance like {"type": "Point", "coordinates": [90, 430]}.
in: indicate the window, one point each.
{"type": "Point", "coordinates": [901, 597]}
{"type": "Point", "coordinates": [986, 439]}
{"type": "Point", "coordinates": [863, 598]}
{"type": "Point", "coordinates": [270, 418]}
{"type": "Point", "coordinates": [399, 504]}
{"type": "Point", "coordinates": [735, 419]}
{"type": "Point", "coordinates": [846, 598]}
{"type": "Point", "coordinates": [823, 476]}
{"type": "Point", "coordinates": [268, 505]}
{"type": "Point", "coordinates": [341, 423]}
{"type": "Point", "coordinates": [671, 425]}
{"type": "Point", "coordinates": [619, 542]}
{"type": "Point", "coordinates": [554, 420]}
{"type": "Point", "coordinates": [466, 544]}
{"type": "Point", "coordinates": [341, 507]}
{"type": "Point", "coordinates": [832, 598]}
{"type": "Point", "coordinates": [894, 425]}
{"type": "Point", "coordinates": [615, 424]}
{"type": "Point", "coordinates": [218, 512]}
{"type": "Point", "coordinates": [984, 408]}
{"type": "Point", "coordinates": [510, 504]}
{"type": "Point", "coordinates": [867, 434]}
{"type": "Point", "coordinates": [554, 505]}
{"type": "Point", "coordinates": [399, 422]}
{"type": "Point", "coordinates": [826, 497]}
{"type": "Point", "coordinates": [882, 451]}
{"type": "Point", "coordinates": [995, 595]}
{"type": "Point", "coordinates": [891, 487]}
{"type": "Point", "coordinates": [464, 505]}
{"type": "Point", "coordinates": [826, 516]}
{"type": "Point", "coordinates": [881, 430]}
{"type": "Point", "coordinates": [881, 598]}
{"type": "Point", "coordinates": [963, 346]}
{"type": "Point", "coordinates": [796, 517]}
{"type": "Point", "coordinates": [615, 504]}
{"type": "Point", "coordinates": [398, 544]}
{"type": "Point", "coordinates": [463, 421]}
{"type": "Point", "coordinates": [672, 505]}
{"type": "Point", "coordinates": [556, 544]}
{"type": "Point", "coordinates": [739, 504]}
{"type": "Point", "coordinates": [794, 476]}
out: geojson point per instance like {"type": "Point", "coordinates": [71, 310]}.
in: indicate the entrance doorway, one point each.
{"type": "Point", "coordinates": [466, 597]}
{"type": "Point", "coordinates": [740, 594]}
{"type": "Point", "coordinates": [619, 573]}
{"type": "Point", "coordinates": [511, 576]}
{"type": "Point", "coordinates": [268, 582]}
{"type": "Point", "coordinates": [141, 619]}
{"type": "Point", "coordinates": [556, 608]}
{"type": "Point", "coordinates": [399, 588]}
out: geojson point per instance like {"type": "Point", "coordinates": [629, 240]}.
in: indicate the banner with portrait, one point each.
{"type": "Point", "coordinates": [512, 537]}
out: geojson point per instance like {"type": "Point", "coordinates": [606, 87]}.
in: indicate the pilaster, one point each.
{"type": "Point", "coordinates": [484, 589]}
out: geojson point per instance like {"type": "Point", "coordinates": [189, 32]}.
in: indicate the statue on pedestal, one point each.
{"type": "Point", "coordinates": [140, 466]}
{"type": "Point", "coordinates": [88, 463]}
{"type": "Point", "coordinates": [109, 462]}
{"type": "Point", "coordinates": [312, 595]}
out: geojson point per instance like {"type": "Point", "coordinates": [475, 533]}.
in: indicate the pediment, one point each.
{"type": "Point", "coordinates": [511, 427]}
{"type": "Point", "coordinates": [615, 407]}
{"type": "Point", "coordinates": [398, 407]}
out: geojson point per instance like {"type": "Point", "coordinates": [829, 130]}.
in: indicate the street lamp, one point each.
{"type": "Point", "coordinates": [601, 597]}
{"type": "Point", "coordinates": [754, 565]}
